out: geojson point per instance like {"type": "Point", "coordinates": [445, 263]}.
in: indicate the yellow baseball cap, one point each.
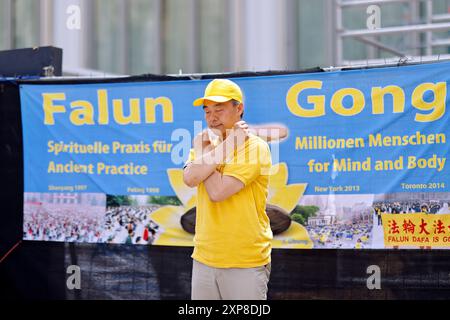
{"type": "Point", "coordinates": [220, 90]}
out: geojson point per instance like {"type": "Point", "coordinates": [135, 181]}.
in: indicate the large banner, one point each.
{"type": "Point", "coordinates": [362, 163]}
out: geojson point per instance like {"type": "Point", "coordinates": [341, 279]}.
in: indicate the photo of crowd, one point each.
{"type": "Point", "coordinates": [433, 203]}
{"type": "Point", "coordinates": [88, 217]}
{"type": "Point", "coordinates": [341, 221]}
{"type": "Point", "coordinates": [354, 221]}
{"type": "Point", "coordinates": [398, 203]}
{"type": "Point", "coordinates": [332, 221]}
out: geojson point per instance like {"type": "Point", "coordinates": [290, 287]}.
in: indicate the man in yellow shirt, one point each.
{"type": "Point", "coordinates": [230, 168]}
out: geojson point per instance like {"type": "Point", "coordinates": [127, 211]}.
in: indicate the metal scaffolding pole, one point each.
{"type": "Point", "coordinates": [402, 29]}
{"type": "Point", "coordinates": [432, 23]}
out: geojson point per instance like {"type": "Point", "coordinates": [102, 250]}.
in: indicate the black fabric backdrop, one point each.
{"type": "Point", "coordinates": [37, 270]}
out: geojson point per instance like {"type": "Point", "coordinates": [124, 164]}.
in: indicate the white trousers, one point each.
{"type": "Point", "coordinates": [210, 283]}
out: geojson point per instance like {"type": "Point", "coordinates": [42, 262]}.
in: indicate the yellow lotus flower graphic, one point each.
{"type": "Point", "coordinates": [282, 198]}
{"type": "Point", "coordinates": [169, 217]}
{"type": "Point", "coordinates": [287, 197]}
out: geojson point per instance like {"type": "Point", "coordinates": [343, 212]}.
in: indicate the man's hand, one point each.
{"type": "Point", "coordinates": [241, 127]}
{"type": "Point", "coordinates": [240, 132]}
{"type": "Point", "coordinates": [201, 143]}
{"type": "Point", "coordinates": [235, 138]}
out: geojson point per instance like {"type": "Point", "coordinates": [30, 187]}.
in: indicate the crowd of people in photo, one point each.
{"type": "Point", "coordinates": [129, 225]}
{"type": "Point", "coordinates": [341, 235]}
{"type": "Point", "coordinates": [133, 224]}
{"type": "Point", "coordinates": [397, 207]}
{"type": "Point", "coordinates": [60, 224]}
{"type": "Point", "coordinates": [357, 233]}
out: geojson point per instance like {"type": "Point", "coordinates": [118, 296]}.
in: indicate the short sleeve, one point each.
{"type": "Point", "coordinates": [249, 162]}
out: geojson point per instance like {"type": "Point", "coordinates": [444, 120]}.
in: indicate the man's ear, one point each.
{"type": "Point", "coordinates": [240, 108]}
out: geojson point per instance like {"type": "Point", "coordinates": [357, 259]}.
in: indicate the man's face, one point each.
{"type": "Point", "coordinates": [221, 115]}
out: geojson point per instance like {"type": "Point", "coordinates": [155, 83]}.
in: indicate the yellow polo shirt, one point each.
{"type": "Point", "coordinates": [235, 233]}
